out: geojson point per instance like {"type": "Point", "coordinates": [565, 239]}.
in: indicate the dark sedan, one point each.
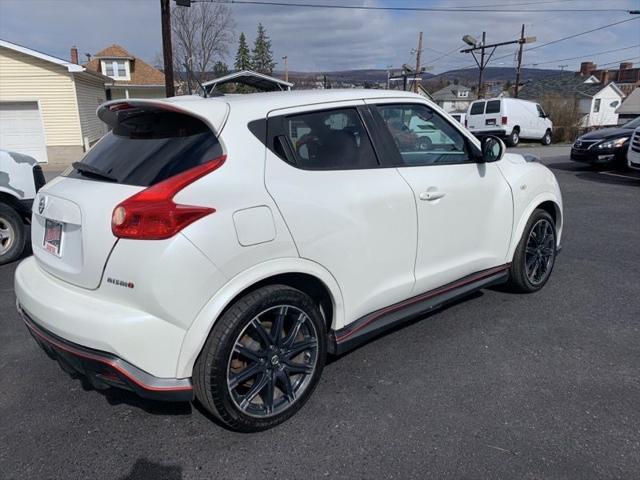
{"type": "Point", "coordinates": [605, 147]}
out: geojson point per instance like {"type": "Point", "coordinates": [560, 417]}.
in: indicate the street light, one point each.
{"type": "Point", "coordinates": [469, 40]}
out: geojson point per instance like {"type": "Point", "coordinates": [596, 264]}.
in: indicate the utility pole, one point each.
{"type": "Point", "coordinates": [286, 68]}
{"type": "Point", "coordinates": [520, 47]}
{"type": "Point", "coordinates": [167, 51]}
{"type": "Point", "coordinates": [482, 67]}
{"type": "Point", "coordinates": [562, 67]}
{"type": "Point", "coordinates": [418, 55]}
{"type": "Point", "coordinates": [484, 59]}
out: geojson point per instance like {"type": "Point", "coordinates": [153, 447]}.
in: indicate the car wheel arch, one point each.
{"type": "Point", "coordinates": [302, 274]}
{"type": "Point", "coordinates": [547, 202]}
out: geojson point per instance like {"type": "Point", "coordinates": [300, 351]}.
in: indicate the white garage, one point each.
{"type": "Point", "coordinates": [21, 129]}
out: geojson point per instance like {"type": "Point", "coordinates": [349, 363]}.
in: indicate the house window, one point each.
{"type": "Point", "coordinates": [116, 69]}
{"type": "Point", "coordinates": [596, 105]}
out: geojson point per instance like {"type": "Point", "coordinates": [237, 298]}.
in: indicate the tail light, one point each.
{"type": "Point", "coordinates": [153, 215]}
{"type": "Point", "coordinates": [466, 123]}
{"type": "Point", "coordinates": [504, 120]}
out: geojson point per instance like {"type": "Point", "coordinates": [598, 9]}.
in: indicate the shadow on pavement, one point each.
{"type": "Point", "coordinates": [606, 175]}
{"type": "Point", "coordinates": [144, 469]}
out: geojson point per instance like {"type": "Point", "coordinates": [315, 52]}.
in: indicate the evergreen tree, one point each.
{"type": "Point", "coordinates": [262, 56]}
{"type": "Point", "coordinates": [243, 59]}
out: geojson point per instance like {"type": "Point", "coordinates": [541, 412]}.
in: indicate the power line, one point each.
{"type": "Point", "coordinates": [585, 55]}
{"type": "Point", "coordinates": [476, 9]}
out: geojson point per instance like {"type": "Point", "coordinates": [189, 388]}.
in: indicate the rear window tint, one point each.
{"type": "Point", "coordinates": [493, 106]}
{"type": "Point", "coordinates": [477, 108]}
{"type": "Point", "coordinates": [148, 146]}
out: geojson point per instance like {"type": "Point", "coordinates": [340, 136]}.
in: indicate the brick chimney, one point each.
{"type": "Point", "coordinates": [74, 55]}
{"type": "Point", "coordinates": [604, 76]}
{"type": "Point", "coordinates": [586, 68]}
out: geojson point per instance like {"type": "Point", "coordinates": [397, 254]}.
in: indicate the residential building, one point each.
{"type": "Point", "coordinates": [48, 105]}
{"type": "Point", "coordinates": [132, 77]}
{"type": "Point", "coordinates": [453, 98]}
{"type": "Point", "coordinates": [596, 102]}
{"type": "Point", "coordinates": [630, 107]}
{"type": "Point", "coordinates": [626, 76]}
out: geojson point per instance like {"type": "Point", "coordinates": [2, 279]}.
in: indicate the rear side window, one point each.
{"type": "Point", "coordinates": [493, 106]}
{"type": "Point", "coordinates": [477, 108]}
{"type": "Point", "coordinates": [329, 140]}
{"type": "Point", "coordinates": [148, 146]}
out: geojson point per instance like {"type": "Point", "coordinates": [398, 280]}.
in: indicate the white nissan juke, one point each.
{"type": "Point", "coordinates": [220, 248]}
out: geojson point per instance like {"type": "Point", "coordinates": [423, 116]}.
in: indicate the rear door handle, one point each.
{"type": "Point", "coordinates": [429, 195]}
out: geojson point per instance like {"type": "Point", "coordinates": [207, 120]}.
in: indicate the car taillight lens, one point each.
{"type": "Point", "coordinates": [504, 120]}
{"type": "Point", "coordinates": [153, 215]}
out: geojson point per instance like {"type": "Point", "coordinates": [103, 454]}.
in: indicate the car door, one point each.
{"type": "Point", "coordinates": [464, 205]}
{"type": "Point", "coordinates": [344, 211]}
{"type": "Point", "coordinates": [541, 121]}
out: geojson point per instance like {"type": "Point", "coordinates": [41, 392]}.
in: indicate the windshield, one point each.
{"type": "Point", "coordinates": [635, 123]}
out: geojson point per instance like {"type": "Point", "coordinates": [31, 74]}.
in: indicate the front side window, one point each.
{"type": "Point", "coordinates": [423, 137]}
{"type": "Point", "coordinates": [330, 140]}
{"type": "Point", "coordinates": [541, 111]}
{"type": "Point", "coordinates": [477, 108]}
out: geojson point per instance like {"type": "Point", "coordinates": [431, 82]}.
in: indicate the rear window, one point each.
{"type": "Point", "coordinates": [148, 146]}
{"type": "Point", "coordinates": [477, 108]}
{"type": "Point", "coordinates": [493, 106]}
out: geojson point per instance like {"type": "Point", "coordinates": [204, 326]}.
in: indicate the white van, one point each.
{"type": "Point", "coordinates": [511, 119]}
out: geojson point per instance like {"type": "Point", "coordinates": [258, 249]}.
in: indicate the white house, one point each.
{"type": "Point", "coordinates": [453, 98]}
{"type": "Point", "coordinates": [48, 105]}
{"type": "Point", "coordinates": [596, 102]}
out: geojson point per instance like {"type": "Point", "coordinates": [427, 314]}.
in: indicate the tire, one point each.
{"type": "Point", "coordinates": [513, 139]}
{"type": "Point", "coordinates": [237, 346]}
{"type": "Point", "coordinates": [546, 140]}
{"type": "Point", "coordinates": [12, 234]}
{"type": "Point", "coordinates": [523, 277]}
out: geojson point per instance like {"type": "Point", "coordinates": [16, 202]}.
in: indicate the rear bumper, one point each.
{"type": "Point", "coordinates": [88, 318]}
{"type": "Point", "coordinates": [496, 132]}
{"type": "Point", "coordinates": [105, 370]}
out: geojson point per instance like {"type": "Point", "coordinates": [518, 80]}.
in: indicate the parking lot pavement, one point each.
{"type": "Point", "coordinates": [497, 386]}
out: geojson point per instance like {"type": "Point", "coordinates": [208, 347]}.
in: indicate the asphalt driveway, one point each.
{"type": "Point", "coordinates": [541, 386]}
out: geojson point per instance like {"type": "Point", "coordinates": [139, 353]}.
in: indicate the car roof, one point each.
{"type": "Point", "coordinates": [264, 102]}
{"type": "Point", "coordinates": [215, 110]}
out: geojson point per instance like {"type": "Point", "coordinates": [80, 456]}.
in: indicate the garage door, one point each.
{"type": "Point", "coordinates": [21, 129]}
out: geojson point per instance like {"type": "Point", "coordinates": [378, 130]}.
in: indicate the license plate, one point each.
{"type": "Point", "coordinates": [52, 237]}
{"type": "Point", "coordinates": [491, 121]}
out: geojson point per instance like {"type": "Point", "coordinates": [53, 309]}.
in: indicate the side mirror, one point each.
{"type": "Point", "coordinates": [493, 149]}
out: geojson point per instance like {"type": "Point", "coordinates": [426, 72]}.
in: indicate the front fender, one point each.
{"type": "Point", "coordinates": [526, 214]}
{"type": "Point", "coordinates": [198, 332]}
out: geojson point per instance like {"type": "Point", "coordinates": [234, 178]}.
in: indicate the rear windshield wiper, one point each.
{"type": "Point", "coordinates": [90, 170]}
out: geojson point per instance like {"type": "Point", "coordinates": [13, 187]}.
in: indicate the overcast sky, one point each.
{"type": "Point", "coordinates": [330, 39]}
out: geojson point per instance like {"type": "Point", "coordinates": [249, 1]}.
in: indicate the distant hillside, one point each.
{"type": "Point", "coordinates": [496, 74]}
{"type": "Point", "coordinates": [464, 76]}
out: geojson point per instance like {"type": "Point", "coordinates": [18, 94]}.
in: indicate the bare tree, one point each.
{"type": "Point", "coordinates": [202, 35]}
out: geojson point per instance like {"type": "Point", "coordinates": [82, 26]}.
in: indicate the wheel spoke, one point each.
{"type": "Point", "coordinates": [255, 390]}
{"type": "Point", "coordinates": [278, 325]}
{"type": "Point", "coordinates": [293, 368]}
{"type": "Point", "coordinates": [294, 330]}
{"type": "Point", "coordinates": [262, 333]}
{"type": "Point", "coordinates": [287, 388]}
{"type": "Point", "coordinates": [248, 353]}
{"type": "Point", "coordinates": [267, 399]}
{"type": "Point", "coordinates": [298, 347]}
{"type": "Point", "coordinates": [245, 375]}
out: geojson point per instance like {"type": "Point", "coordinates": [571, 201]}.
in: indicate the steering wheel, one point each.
{"type": "Point", "coordinates": [312, 142]}
{"type": "Point", "coordinates": [424, 143]}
